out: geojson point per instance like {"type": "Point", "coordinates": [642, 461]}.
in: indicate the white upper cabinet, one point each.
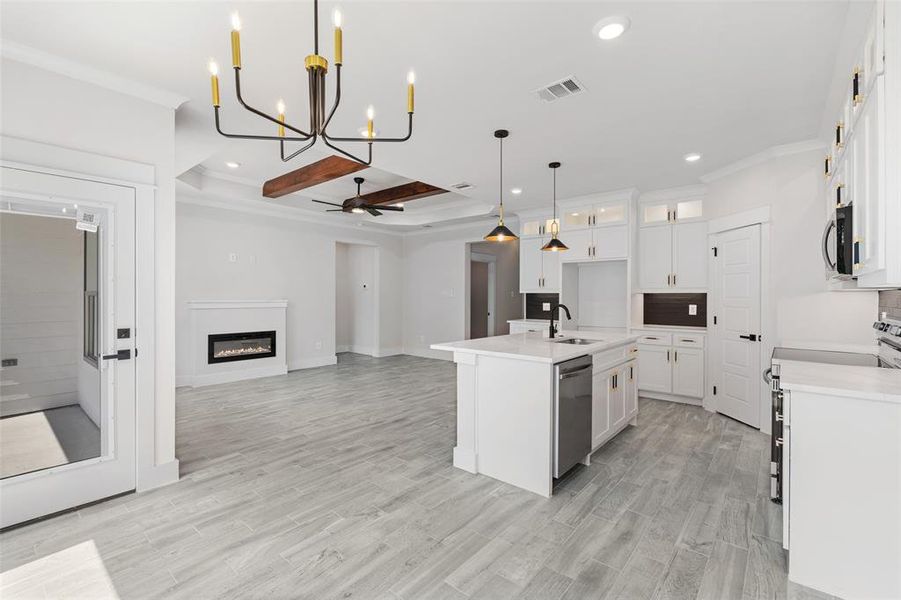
{"type": "Point", "coordinates": [655, 250]}
{"type": "Point", "coordinates": [594, 215]}
{"type": "Point", "coordinates": [690, 255]}
{"type": "Point", "coordinates": [536, 226]}
{"type": "Point", "coordinates": [596, 243]}
{"type": "Point", "coordinates": [579, 217]}
{"type": "Point", "coordinates": [672, 245]}
{"type": "Point", "coordinates": [539, 271]}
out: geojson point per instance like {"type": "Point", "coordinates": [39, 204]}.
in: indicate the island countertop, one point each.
{"type": "Point", "coordinates": [533, 347]}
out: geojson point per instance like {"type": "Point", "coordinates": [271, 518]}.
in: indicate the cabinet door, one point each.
{"type": "Point", "coordinates": [655, 247]}
{"type": "Point", "coordinates": [655, 214]}
{"type": "Point", "coordinates": [867, 146]}
{"type": "Point", "coordinates": [530, 264]}
{"type": "Point", "coordinates": [689, 210]}
{"type": "Point", "coordinates": [550, 269]}
{"type": "Point", "coordinates": [654, 372]}
{"type": "Point", "coordinates": [576, 218]}
{"type": "Point", "coordinates": [630, 389]}
{"type": "Point", "coordinates": [536, 226]}
{"type": "Point", "coordinates": [600, 399]}
{"type": "Point", "coordinates": [611, 242]}
{"type": "Point", "coordinates": [690, 255]}
{"type": "Point", "coordinates": [611, 214]}
{"type": "Point", "coordinates": [688, 372]}
{"type": "Point", "coordinates": [617, 397]}
{"type": "Point", "coordinates": [579, 243]}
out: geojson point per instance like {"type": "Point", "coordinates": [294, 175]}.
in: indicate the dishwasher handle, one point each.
{"type": "Point", "coordinates": [575, 373]}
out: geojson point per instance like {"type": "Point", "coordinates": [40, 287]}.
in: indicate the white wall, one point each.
{"type": "Point", "coordinates": [602, 294]}
{"type": "Point", "coordinates": [356, 298]}
{"type": "Point", "coordinates": [805, 312]}
{"type": "Point", "coordinates": [40, 312]}
{"type": "Point", "coordinates": [45, 107]}
{"type": "Point", "coordinates": [278, 257]}
{"type": "Point", "coordinates": [508, 300]}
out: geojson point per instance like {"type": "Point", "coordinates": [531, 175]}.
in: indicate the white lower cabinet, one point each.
{"type": "Point", "coordinates": [672, 364]}
{"type": "Point", "coordinates": [688, 372]}
{"type": "Point", "coordinates": [614, 400]}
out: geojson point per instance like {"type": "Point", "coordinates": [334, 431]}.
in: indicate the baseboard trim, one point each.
{"type": "Point", "coordinates": [312, 362]}
{"type": "Point", "coordinates": [383, 352]}
{"type": "Point", "coordinates": [429, 353]}
{"type": "Point", "coordinates": [232, 376]}
{"type": "Point", "coordinates": [154, 476]}
{"type": "Point", "coordinates": [670, 398]}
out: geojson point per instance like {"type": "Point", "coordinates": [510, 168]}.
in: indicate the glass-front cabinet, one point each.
{"type": "Point", "coordinates": [583, 217]}
{"type": "Point", "coordinates": [661, 213]}
{"type": "Point", "coordinates": [537, 226]}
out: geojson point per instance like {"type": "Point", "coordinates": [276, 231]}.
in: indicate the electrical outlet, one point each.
{"type": "Point", "coordinates": [319, 344]}
{"type": "Point", "coordinates": [232, 257]}
{"type": "Point", "coordinates": [545, 306]}
{"type": "Point", "coordinates": [693, 309]}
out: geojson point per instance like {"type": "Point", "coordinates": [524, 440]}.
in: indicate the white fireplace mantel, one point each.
{"type": "Point", "coordinates": [210, 317]}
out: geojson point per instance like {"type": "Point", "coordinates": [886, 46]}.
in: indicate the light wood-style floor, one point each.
{"type": "Point", "coordinates": [46, 438]}
{"type": "Point", "coordinates": [337, 483]}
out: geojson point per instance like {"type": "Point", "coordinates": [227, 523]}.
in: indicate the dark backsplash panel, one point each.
{"type": "Point", "coordinates": [534, 302]}
{"type": "Point", "coordinates": [672, 309]}
{"type": "Point", "coordinates": [890, 303]}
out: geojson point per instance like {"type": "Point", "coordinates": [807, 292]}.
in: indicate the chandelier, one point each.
{"type": "Point", "coordinates": [317, 68]}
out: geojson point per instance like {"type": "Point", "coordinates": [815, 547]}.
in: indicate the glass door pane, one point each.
{"type": "Point", "coordinates": [655, 213]}
{"type": "Point", "coordinates": [609, 214]}
{"type": "Point", "coordinates": [50, 408]}
{"type": "Point", "coordinates": [689, 209]}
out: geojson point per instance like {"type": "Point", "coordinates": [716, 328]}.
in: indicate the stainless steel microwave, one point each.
{"type": "Point", "coordinates": [838, 244]}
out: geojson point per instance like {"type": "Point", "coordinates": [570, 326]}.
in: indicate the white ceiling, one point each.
{"type": "Point", "coordinates": [727, 79]}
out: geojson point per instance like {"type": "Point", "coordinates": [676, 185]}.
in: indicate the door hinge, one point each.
{"type": "Point", "coordinates": [714, 319]}
{"type": "Point", "coordinates": [714, 251]}
{"type": "Point", "coordinates": [714, 390]}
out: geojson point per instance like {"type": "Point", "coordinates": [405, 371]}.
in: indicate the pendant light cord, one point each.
{"type": "Point", "coordinates": [500, 190]}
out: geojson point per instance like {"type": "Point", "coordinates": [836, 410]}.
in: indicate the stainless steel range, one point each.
{"type": "Point", "coordinates": [888, 337]}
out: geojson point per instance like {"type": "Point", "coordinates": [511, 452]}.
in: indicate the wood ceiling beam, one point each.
{"type": "Point", "coordinates": [315, 173]}
{"type": "Point", "coordinates": [402, 193]}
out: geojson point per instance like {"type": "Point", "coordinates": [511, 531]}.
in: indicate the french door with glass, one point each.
{"type": "Point", "coordinates": [67, 340]}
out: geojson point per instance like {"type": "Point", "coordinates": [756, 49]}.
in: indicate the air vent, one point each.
{"type": "Point", "coordinates": [463, 186]}
{"type": "Point", "coordinates": [560, 89]}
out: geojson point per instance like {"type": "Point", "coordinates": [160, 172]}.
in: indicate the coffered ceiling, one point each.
{"type": "Point", "coordinates": [726, 79]}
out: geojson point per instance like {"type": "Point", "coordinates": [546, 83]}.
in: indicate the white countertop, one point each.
{"type": "Point", "coordinates": [533, 347]}
{"type": "Point", "coordinates": [871, 383]}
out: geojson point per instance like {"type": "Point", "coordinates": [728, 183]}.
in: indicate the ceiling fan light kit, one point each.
{"type": "Point", "coordinates": [317, 68]}
{"type": "Point", "coordinates": [358, 205]}
{"type": "Point", "coordinates": [555, 245]}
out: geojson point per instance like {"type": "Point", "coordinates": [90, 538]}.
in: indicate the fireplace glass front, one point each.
{"type": "Point", "coordinates": [227, 347]}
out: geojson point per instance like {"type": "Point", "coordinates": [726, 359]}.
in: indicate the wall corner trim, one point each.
{"type": "Point", "coordinates": [763, 156]}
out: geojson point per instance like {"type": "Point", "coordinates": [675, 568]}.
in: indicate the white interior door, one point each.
{"type": "Point", "coordinates": [736, 334]}
{"type": "Point", "coordinates": [108, 399]}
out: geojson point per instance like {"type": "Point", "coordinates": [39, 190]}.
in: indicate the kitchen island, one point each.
{"type": "Point", "coordinates": [506, 388]}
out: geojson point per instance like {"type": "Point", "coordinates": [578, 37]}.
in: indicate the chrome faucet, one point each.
{"type": "Point", "coordinates": [554, 309]}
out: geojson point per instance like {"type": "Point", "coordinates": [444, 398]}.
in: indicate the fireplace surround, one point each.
{"type": "Point", "coordinates": [249, 345]}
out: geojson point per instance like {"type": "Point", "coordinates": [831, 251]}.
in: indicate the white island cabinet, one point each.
{"type": "Point", "coordinates": [841, 472]}
{"type": "Point", "coordinates": [505, 401]}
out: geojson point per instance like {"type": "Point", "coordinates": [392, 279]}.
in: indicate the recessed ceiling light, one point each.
{"type": "Point", "coordinates": [611, 27]}
{"type": "Point", "coordinates": [692, 157]}
{"type": "Point", "coordinates": [232, 164]}
{"type": "Point", "coordinates": [575, 214]}
{"type": "Point", "coordinates": [516, 191]}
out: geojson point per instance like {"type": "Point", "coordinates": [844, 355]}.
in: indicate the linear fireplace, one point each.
{"type": "Point", "coordinates": [228, 347]}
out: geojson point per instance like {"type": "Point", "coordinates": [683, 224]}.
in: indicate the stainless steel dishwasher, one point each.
{"type": "Point", "coordinates": [572, 413]}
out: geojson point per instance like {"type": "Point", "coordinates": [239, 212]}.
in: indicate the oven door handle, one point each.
{"type": "Point", "coordinates": [825, 245]}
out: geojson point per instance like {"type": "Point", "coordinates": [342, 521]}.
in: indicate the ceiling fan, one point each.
{"type": "Point", "coordinates": [358, 205]}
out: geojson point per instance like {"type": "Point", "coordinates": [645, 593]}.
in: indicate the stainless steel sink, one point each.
{"type": "Point", "coordinates": [576, 341]}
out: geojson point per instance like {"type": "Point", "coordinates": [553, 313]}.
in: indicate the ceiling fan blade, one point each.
{"type": "Point", "coordinates": [393, 208]}
{"type": "Point", "coordinates": [329, 203]}
{"type": "Point", "coordinates": [372, 211]}
{"type": "Point", "coordinates": [335, 210]}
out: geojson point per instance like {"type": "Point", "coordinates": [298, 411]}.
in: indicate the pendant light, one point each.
{"type": "Point", "coordinates": [501, 233]}
{"type": "Point", "coordinates": [555, 245]}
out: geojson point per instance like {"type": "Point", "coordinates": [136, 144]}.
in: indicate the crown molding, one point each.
{"type": "Point", "coordinates": [764, 156]}
{"type": "Point", "coordinates": [63, 66]}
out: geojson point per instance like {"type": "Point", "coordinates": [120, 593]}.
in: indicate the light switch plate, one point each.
{"type": "Point", "coordinates": [693, 309]}
{"type": "Point", "coordinates": [545, 306]}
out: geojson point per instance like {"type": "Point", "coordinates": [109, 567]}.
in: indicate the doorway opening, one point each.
{"type": "Point", "coordinates": [356, 299]}
{"type": "Point", "coordinates": [50, 382]}
{"type": "Point", "coordinates": [493, 297]}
